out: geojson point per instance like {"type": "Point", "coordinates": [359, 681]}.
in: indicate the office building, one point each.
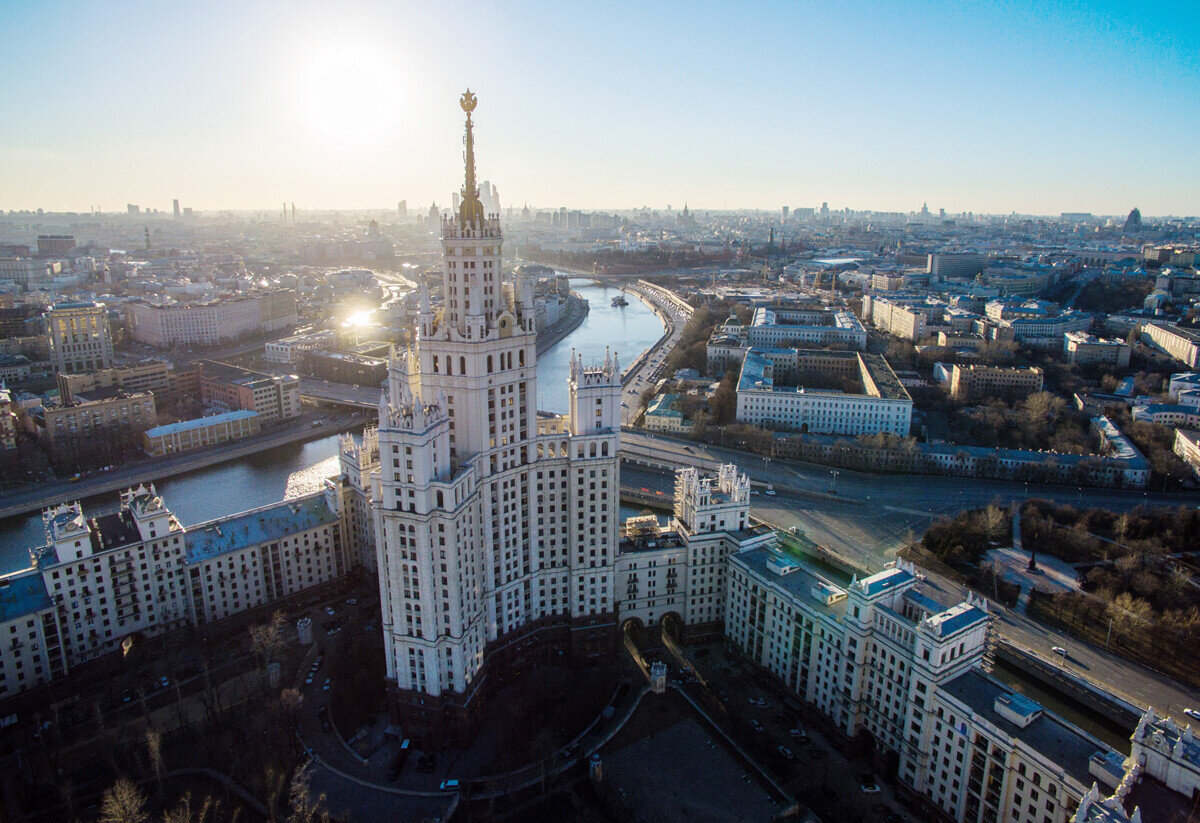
{"type": "Point", "coordinates": [25, 271]}
{"type": "Point", "coordinates": [80, 338]}
{"type": "Point", "coordinates": [496, 528]}
{"type": "Point", "coordinates": [822, 392]}
{"type": "Point", "coordinates": [290, 349]}
{"type": "Point", "coordinates": [344, 367]}
{"type": "Point", "coordinates": [976, 382]}
{"type": "Point", "coordinates": [1086, 349]}
{"type": "Point", "coordinates": [1182, 344]}
{"type": "Point", "coordinates": [955, 265]}
{"type": "Point", "coordinates": [200, 432]}
{"type": "Point", "coordinates": [55, 245]}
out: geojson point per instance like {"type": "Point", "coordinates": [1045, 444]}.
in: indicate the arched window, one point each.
{"type": "Point", "coordinates": [604, 449]}
{"type": "Point", "coordinates": [462, 365]}
{"type": "Point", "coordinates": [435, 364]}
{"type": "Point", "coordinates": [521, 357]}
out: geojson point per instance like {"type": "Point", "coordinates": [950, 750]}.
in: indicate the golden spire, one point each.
{"type": "Point", "coordinates": [471, 210]}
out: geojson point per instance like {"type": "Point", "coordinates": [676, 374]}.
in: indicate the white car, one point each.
{"type": "Point", "coordinates": [1059, 650]}
{"type": "Point", "coordinates": [1192, 713]}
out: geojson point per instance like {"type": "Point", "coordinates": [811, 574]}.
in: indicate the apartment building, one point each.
{"type": "Point", "coordinates": [358, 461]}
{"type": "Point", "coordinates": [977, 381]}
{"type": "Point", "coordinates": [881, 658]}
{"type": "Point", "coordinates": [8, 421]}
{"type": "Point", "coordinates": [26, 271]}
{"type": "Point", "coordinates": [200, 432]}
{"type": "Point", "coordinates": [146, 376]}
{"type": "Point", "coordinates": [273, 397]}
{"type": "Point", "coordinates": [680, 569]}
{"type": "Point", "coordinates": [138, 572]}
{"type": "Point", "coordinates": [772, 392]}
{"type": "Point", "coordinates": [1082, 348]}
{"type": "Point", "coordinates": [290, 349]}
{"type": "Point", "coordinates": [779, 327]}
{"type": "Point", "coordinates": [165, 325]}
{"type": "Point", "coordinates": [31, 651]}
{"type": "Point", "coordinates": [80, 338]}
{"type": "Point", "coordinates": [955, 265]}
{"type": "Point", "coordinates": [1187, 447]}
{"type": "Point", "coordinates": [103, 413]}
{"type": "Point", "coordinates": [1182, 344]}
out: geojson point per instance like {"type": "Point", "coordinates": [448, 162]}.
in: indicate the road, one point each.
{"type": "Point", "coordinates": [648, 368]}
{"type": "Point", "coordinates": [871, 516]}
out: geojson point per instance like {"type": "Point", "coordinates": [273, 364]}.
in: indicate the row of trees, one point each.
{"type": "Point", "coordinates": [965, 538]}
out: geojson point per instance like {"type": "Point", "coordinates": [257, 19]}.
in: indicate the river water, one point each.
{"type": "Point", "coordinates": [292, 470]}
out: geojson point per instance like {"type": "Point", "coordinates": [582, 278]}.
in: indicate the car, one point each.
{"type": "Point", "coordinates": [449, 785]}
{"type": "Point", "coordinates": [126, 696]}
{"type": "Point", "coordinates": [868, 783]}
{"type": "Point", "coordinates": [330, 610]}
{"type": "Point", "coordinates": [325, 687]}
{"type": "Point", "coordinates": [754, 724]}
{"type": "Point", "coordinates": [787, 753]}
{"type": "Point", "coordinates": [1059, 650]}
{"type": "Point", "coordinates": [308, 680]}
{"type": "Point", "coordinates": [769, 491]}
{"type": "Point", "coordinates": [351, 601]}
{"type": "Point", "coordinates": [1192, 713]}
{"type": "Point", "coordinates": [798, 733]}
{"type": "Point", "coordinates": [757, 701]}
{"type": "Point", "coordinates": [165, 682]}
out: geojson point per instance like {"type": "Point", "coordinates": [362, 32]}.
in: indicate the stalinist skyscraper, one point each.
{"type": "Point", "coordinates": [496, 528]}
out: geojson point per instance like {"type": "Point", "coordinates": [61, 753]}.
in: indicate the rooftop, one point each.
{"type": "Point", "coordinates": [225, 535]}
{"type": "Point", "coordinates": [23, 593]}
{"type": "Point", "coordinates": [199, 423]}
{"type": "Point", "coordinates": [802, 582]}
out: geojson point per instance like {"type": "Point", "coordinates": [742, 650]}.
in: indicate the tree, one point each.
{"type": "Point", "coordinates": [123, 802]}
{"type": "Point", "coordinates": [266, 639]}
{"type": "Point", "coordinates": [154, 750]}
{"type": "Point", "coordinates": [305, 807]}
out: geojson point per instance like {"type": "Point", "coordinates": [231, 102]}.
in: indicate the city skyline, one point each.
{"type": "Point", "coordinates": [882, 108]}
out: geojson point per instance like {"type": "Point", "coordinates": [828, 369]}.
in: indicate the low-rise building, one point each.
{"type": "Point", "coordinates": [290, 349]}
{"type": "Point", "coordinates": [201, 432]}
{"type": "Point", "coordinates": [1082, 348]}
{"type": "Point", "coordinates": [274, 397]}
{"type": "Point", "coordinates": [978, 381]}
{"type": "Point", "coordinates": [794, 389]}
{"type": "Point", "coordinates": [343, 367]}
{"type": "Point", "coordinates": [148, 375]}
{"type": "Point", "coordinates": [1187, 447]}
{"type": "Point", "coordinates": [958, 340]}
{"type": "Point", "coordinates": [661, 415]}
{"type": "Point", "coordinates": [14, 367]}
{"type": "Point", "coordinates": [1182, 344]}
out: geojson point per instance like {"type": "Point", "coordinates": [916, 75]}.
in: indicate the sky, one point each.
{"type": "Point", "coordinates": [990, 107]}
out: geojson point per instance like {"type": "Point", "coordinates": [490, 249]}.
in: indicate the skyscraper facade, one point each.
{"type": "Point", "coordinates": [496, 527]}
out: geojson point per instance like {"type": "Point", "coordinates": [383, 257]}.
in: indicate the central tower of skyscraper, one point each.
{"type": "Point", "coordinates": [496, 527]}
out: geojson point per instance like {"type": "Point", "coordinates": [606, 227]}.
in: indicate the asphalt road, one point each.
{"type": "Point", "coordinates": [650, 370]}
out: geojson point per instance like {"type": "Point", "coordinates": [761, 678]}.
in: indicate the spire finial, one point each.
{"type": "Point", "coordinates": [471, 210]}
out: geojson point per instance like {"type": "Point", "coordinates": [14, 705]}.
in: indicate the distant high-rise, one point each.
{"type": "Point", "coordinates": [1134, 220]}
{"type": "Point", "coordinates": [402, 209]}
{"type": "Point", "coordinates": [175, 204]}
{"type": "Point", "coordinates": [80, 340]}
{"type": "Point", "coordinates": [786, 212]}
{"type": "Point", "coordinates": [55, 245]}
{"type": "Point", "coordinates": [187, 212]}
{"type": "Point", "coordinates": [130, 208]}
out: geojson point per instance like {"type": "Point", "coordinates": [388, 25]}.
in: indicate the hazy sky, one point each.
{"type": "Point", "coordinates": [1035, 107]}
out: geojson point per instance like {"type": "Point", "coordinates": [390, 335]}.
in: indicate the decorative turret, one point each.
{"type": "Point", "coordinates": [151, 515]}
{"type": "Point", "coordinates": [67, 534]}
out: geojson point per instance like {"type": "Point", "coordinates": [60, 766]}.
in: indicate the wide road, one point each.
{"type": "Point", "coordinates": [871, 516]}
{"type": "Point", "coordinates": [650, 367]}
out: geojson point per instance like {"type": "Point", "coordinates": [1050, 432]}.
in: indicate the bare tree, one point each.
{"type": "Point", "coordinates": [154, 750]}
{"type": "Point", "coordinates": [266, 639]}
{"type": "Point", "coordinates": [305, 807]}
{"type": "Point", "coordinates": [123, 803]}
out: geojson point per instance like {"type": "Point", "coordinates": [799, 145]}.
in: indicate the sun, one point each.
{"type": "Point", "coordinates": [345, 95]}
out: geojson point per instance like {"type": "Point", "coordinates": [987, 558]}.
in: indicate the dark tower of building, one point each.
{"type": "Point", "coordinates": [1134, 220]}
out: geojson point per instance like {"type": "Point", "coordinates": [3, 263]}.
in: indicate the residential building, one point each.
{"type": "Point", "coordinates": [784, 328]}
{"type": "Point", "coordinates": [978, 381]}
{"type": "Point", "coordinates": [200, 432]}
{"type": "Point", "coordinates": [145, 376]}
{"type": "Point", "coordinates": [274, 397]}
{"type": "Point", "coordinates": [956, 340]}
{"type": "Point", "coordinates": [679, 570]}
{"type": "Point", "coordinates": [496, 529]}
{"type": "Point", "coordinates": [25, 271]}
{"type": "Point", "coordinates": [344, 367]}
{"type": "Point", "coordinates": [1085, 349]}
{"type": "Point", "coordinates": [289, 349]}
{"type": "Point", "coordinates": [827, 392]}
{"type": "Point", "coordinates": [359, 462]}
{"type": "Point", "coordinates": [955, 265]}
{"type": "Point", "coordinates": [661, 415]}
{"type": "Point", "coordinates": [14, 368]}
{"type": "Point", "coordinates": [167, 325]}
{"type": "Point", "coordinates": [80, 339]}
{"type": "Point", "coordinates": [1187, 447]}
{"type": "Point", "coordinates": [101, 414]}
{"type": "Point", "coordinates": [1182, 344]}
{"type": "Point", "coordinates": [8, 421]}
{"type": "Point", "coordinates": [31, 650]}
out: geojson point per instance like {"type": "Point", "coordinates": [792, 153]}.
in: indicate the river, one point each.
{"type": "Point", "coordinates": [292, 470]}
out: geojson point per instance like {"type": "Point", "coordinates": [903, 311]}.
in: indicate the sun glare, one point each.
{"type": "Point", "coordinates": [345, 96]}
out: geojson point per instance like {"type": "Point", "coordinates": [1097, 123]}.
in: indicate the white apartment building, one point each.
{"type": "Point", "coordinates": [289, 349]}
{"type": "Point", "coordinates": [80, 340]}
{"type": "Point", "coordinates": [777, 327]}
{"type": "Point", "coordinates": [207, 324]}
{"type": "Point", "coordinates": [358, 460]}
{"type": "Point", "coordinates": [1182, 344]}
{"type": "Point", "coordinates": [680, 569]}
{"type": "Point", "coordinates": [881, 405]}
{"type": "Point", "coordinates": [1083, 348]}
{"type": "Point", "coordinates": [491, 525]}
{"type": "Point", "coordinates": [137, 571]}
{"type": "Point", "coordinates": [881, 658]}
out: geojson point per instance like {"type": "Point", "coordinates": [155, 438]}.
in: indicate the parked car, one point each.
{"type": "Point", "coordinates": [325, 687]}
{"type": "Point", "coordinates": [867, 782]}
{"type": "Point", "coordinates": [449, 786]}
{"type": "Point", "coordinates": [787, 753]}
{"type": "Point", "coordinates": [754, 724]}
